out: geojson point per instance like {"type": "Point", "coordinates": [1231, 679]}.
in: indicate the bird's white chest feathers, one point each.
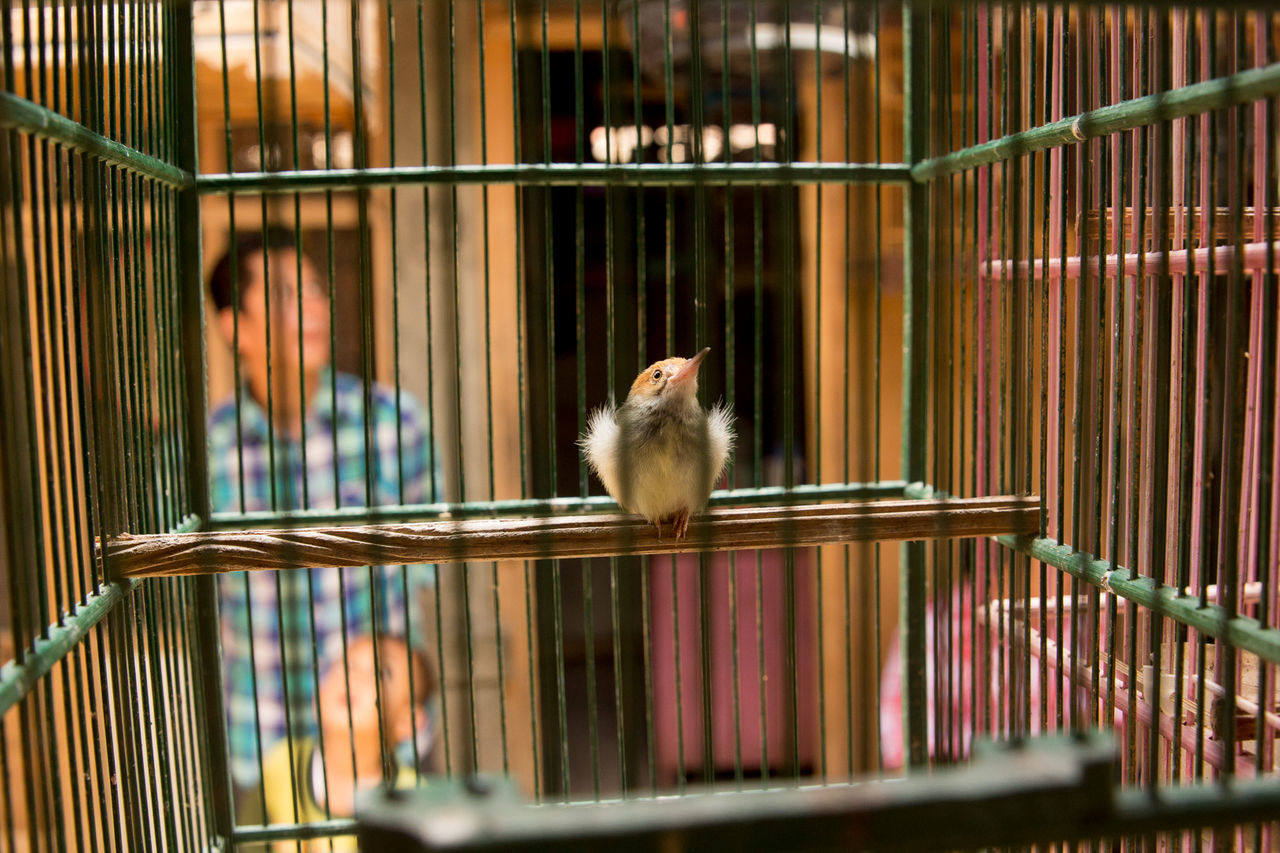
{"type": "Point", "coordinates": [659, 466]}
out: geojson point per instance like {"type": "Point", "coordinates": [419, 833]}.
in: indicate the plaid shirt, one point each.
{"type": "Point", "coordinates": [298, 617]}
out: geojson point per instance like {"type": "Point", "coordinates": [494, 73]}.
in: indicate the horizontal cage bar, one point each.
{"type": "Point", "coordinates": [558, 174]}
{"type": "Point", "coordinates": [1228, 91]}
{"type": "Point", "coordinates": [22, 115]}
{"type": "Point", "coordinates": [535, 506]}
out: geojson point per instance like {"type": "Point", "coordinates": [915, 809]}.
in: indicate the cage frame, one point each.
{"type": "Point", "coordinates": [916, 174]}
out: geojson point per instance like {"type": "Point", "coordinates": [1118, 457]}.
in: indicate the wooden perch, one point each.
{"type": "Point", "coordinates": [479, 540]}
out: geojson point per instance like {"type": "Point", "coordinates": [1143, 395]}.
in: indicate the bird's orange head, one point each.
{"type": "Point", "coordinates": [669, 376]}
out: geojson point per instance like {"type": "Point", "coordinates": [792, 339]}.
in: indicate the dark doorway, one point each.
{"type": "Point", "coordinates": [615, 278]}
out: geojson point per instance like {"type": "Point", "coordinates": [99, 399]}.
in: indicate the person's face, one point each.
{"type": "Point", "coordinates": [289, 322]}
{"type": "Point", "coordinates": [397, 701]}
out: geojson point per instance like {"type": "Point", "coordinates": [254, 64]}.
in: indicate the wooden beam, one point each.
{"type": "Point", "coordinates": [564, 536]}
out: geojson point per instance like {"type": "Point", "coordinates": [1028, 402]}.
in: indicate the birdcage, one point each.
{"type": "Point", "coordinates": [306, 307]}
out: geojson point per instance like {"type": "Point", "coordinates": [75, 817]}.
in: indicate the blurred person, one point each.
{"type": "Point", "coordinates": [370, 699]}
{"type": "Point", "coordinates": [296, 435]}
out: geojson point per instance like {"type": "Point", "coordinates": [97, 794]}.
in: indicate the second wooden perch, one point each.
{"type": "Point", "coordinates": [481, 540]}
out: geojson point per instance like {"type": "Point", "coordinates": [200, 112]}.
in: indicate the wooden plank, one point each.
{"type": "Point", "coordinates": [1223, 223]}
{"type": "Point", "coordinates": [563, 537]}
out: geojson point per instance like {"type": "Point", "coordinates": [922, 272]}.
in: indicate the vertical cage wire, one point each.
{"type": "Point", "coordinates": [103, 740]}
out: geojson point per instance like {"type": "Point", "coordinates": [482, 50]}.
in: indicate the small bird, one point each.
{"type": "Point", "coordinates": [660, 453]}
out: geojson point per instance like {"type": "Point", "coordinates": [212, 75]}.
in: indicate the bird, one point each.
{"type": "Point", "coordinates": [660, 453]}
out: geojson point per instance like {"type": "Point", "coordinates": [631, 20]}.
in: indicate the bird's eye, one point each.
{"type": "Point", "coordinates": [657, 374]}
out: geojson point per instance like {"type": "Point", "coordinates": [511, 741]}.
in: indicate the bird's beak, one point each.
{"type": "Point", "coordinates": [689, 370]}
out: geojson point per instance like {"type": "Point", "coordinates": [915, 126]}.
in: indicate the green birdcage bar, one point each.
{"type": "Point", "coordinates": [22, 115]}
{"type": "Point", "coordinates": [915, 324]}
{"type": "Point", "coordinates": [557, 174]}
{"type": "Point", "coordinates": [804, 493]}
{"type": "Point", "coordinates": [1244, 87]}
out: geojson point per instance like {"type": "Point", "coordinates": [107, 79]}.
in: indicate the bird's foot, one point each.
{"type": "Point", "coordinates": [658, 524]}
{"type": "Point", "coordinates": [681, 524]}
